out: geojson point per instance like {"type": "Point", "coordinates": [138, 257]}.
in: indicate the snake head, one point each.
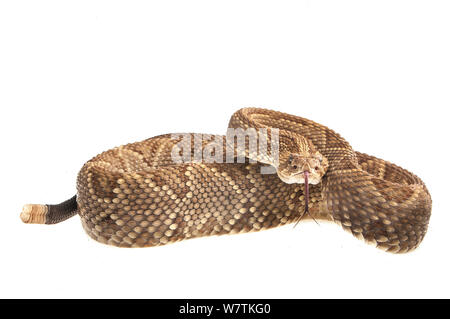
{"type": "Point", "coordinates": [294, 167]}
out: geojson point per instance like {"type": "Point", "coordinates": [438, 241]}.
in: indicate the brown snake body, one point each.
{"type": "Point", "coordinates": [136, 196]}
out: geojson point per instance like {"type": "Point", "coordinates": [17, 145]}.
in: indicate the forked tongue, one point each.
{"type": "Point", "coordinates": [306, 174]}
{"type": "Point", "coordinates": [306, 191]}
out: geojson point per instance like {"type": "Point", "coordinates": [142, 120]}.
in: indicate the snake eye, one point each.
{"type": "Point", "coordinates": [294, 166]}
{"type": "Point", "coordinates": [316, 168]}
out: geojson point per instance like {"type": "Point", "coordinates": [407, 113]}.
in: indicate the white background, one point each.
{"type": "Point", "coordinates": [80, 77]}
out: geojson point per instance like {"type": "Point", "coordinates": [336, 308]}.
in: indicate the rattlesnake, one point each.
{"type": "Point", "coordinates": [136, 196]}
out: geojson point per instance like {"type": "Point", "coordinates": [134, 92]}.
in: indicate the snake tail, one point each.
{"type": "Point", "coordinates": [49, 214]}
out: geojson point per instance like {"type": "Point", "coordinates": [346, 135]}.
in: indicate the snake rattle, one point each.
{"type": "Point", "coordinates": [137, 196]}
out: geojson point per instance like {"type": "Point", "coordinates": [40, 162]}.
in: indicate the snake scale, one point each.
{"type": "Point", "coordinates": [136, 196]}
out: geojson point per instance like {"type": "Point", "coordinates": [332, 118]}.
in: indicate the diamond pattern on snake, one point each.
{"type": "Point", "coordinates": [179, 186]}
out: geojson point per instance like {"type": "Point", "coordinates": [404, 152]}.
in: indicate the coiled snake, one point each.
{"type": "Point", "coordinates": [136, 195]}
